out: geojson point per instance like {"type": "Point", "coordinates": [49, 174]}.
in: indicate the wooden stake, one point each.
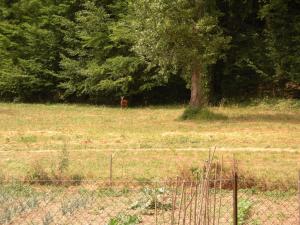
{"type": "Point", "coordinates": [196, 203]}
{"type": "Point", "coordinates": [181, 201]}
{"type": "Point", "coordinates": [202, 189]}
{"type": "Point", "coordinates": [215, 194]}
{"type": "Point", "coordinates": [111, 171]}
{"type": "Point", "coordinates": [155, 204]}
{"type": "Point", "coordinates": [174, 200]}
{"type": "Point", "coordinates": [184, 207]}
{"type": "Point", "coordinates": [191, 201]}
{"type": "Point", "coordinates": [220, 201]}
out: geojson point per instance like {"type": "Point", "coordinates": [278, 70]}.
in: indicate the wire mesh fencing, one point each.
{"type": "Point", "coordinates": [212, 196]}
{"type": "Point", "coordinates": [210, 199]}
{"type": "Point", "coordinates": [173, 203]}
{"type": "Point", "coordinates": [274, 207]}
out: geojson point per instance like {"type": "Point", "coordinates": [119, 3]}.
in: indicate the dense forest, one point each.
{"type": "Point", "coordinates": [151, 51]}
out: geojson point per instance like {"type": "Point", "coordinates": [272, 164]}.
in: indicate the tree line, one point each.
{"type": "Point", "coordinates": [151, 51]}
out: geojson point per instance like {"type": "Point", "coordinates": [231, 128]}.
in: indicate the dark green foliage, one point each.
{"type": "Point", "coordinates": [29, 49]}
{"type": "Point", "coordinates": [99, 64]}
{"type": "Point", "coordinates": [85, 51]}
{"type": "Point", "coordinates": [192, 113]}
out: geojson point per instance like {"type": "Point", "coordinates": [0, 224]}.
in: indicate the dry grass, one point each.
{"type": "Point", "coordinates": [264, 136]}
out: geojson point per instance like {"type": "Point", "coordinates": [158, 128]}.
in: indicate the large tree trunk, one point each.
{"type": "Point", "coordinates": [198, 98]}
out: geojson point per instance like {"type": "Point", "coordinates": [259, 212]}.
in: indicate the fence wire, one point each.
{"type": "Point", "coordinates": [178, 202]}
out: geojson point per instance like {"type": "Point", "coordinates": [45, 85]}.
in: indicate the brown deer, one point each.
{"type": "Point", "coordinates": [124, 102]}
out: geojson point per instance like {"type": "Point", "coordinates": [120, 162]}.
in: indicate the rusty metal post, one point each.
{"type": "Point", "coordinates": [235, 194]}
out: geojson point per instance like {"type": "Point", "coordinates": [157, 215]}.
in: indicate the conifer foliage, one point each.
{"type": "Point", "coordinates": [98, 50]}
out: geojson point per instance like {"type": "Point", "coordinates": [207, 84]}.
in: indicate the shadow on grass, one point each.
{"type": "Point", "coordinates": [278, 117]}
{"type": "Point", "coordinates": [206, 114]}
{"type": "Point", "coordinates": [203, 114]}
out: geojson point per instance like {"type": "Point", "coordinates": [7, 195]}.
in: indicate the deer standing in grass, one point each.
{"type": "Point", "coordinates": [124, 102]}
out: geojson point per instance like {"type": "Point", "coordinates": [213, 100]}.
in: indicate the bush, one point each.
{"type": "Point", "coordinates": [38, 175]}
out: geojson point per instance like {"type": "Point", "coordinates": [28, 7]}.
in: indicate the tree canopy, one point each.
{"type": "Point", "coordinates": [151, 51]}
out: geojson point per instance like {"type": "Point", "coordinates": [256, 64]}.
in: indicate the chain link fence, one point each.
{"type": "Point", "coordinates": [173, 202]}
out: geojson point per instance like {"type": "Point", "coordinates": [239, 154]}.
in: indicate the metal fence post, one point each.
{"type": "Point", "coordinates": [235, 194]}
{"type": "Point", "coordinates": [299, 197]}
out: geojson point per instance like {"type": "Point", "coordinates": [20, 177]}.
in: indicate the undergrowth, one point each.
{"type": "Point", "coordinates": [192, 113]}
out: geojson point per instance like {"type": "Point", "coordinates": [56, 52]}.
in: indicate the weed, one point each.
{"type": "Point", "coordinates": [76, 179]}
{"type": "Point", "coordinates": [2, 178]}
{"type": "Point", "coordinates": [48, 219]}
{"type": "Point", "coordinates": [64, 162]}
{"type": "Point", "coordinates": [59, 175]}
{"type": "Point", "coordinates": [123, 219]}
{"type": "Point", "coordinates": [255, 222]}
{"type": "Point", "coordinates": [28, 139]}
{"type": "Point", "coordinates": [70, 206]}
{"type": "Point", "coordinates": [152, 198]}
{"type": "Point", "coordinates": [12, 211]}
{"type": "Point", "coordinates": [17, 189]}
{"type": "Point", "coordinates": [244, 207]}
{"type": "Point", "coordinates": [38, 175]}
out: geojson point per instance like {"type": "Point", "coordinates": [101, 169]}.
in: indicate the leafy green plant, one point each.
{"type": "Point", "coordinates": [70, 206]}
{"type": "Point", "coordinates": [123, 219]}
{"type": "Point", "coordinates": [244, 207]}
{"type": "Point", "coordinates": [151, 198]}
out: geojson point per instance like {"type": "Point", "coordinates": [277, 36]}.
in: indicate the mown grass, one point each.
{"type": "Point", "coordinates": [263, 170]}
{"type": "Point", "coordinates": [150, 142]}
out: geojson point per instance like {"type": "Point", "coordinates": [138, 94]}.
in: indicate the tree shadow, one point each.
{"type": "Point", "coordinates": [264, 117]}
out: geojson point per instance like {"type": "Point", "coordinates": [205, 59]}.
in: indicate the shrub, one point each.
{"type": "Point", "coordinates": [192, 113]}
{"type": "Point", "coordinates": [38, 175]}
{"type": "Point", "coordinates": [58, 176]}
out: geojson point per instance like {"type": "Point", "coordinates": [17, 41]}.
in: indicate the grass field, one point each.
{"type": "Point", "coordinates": [149, 142]}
